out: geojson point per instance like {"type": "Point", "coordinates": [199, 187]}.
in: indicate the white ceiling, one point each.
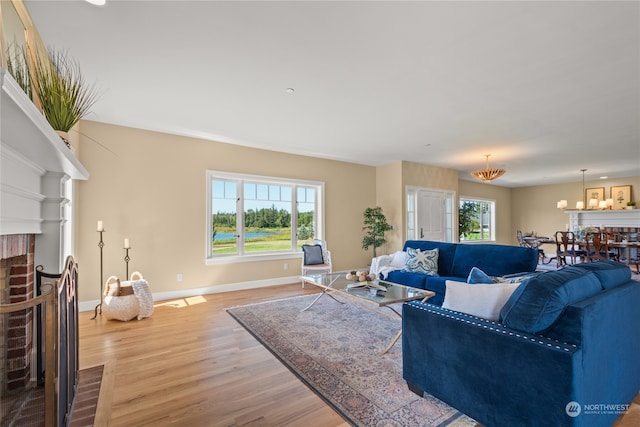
{"type": "Point", "coordinates": [547, 88]}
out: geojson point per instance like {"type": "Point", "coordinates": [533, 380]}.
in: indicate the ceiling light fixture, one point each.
{"type": "Point", "coordinates": [488, 174]}
{"type": "Point", "coordinates": [97, 2]}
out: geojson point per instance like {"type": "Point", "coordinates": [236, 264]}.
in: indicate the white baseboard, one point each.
{"type": "Point", "coordinates": [184, 293]}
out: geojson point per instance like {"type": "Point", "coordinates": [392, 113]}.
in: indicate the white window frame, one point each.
{"type": "Point", "coordinates": [492, 218]}
{"type": "Point", "coordinates": [211, 259]}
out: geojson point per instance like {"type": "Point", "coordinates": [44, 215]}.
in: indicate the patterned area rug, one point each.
{"type": "Point", "coordinates": [335, 349]}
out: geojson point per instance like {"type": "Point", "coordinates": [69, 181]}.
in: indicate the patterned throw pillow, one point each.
{"type": "Point", "coordinates": [425, 262]}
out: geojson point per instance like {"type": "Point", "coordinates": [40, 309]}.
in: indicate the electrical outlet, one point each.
{"type": "Point", "coordinates": [286, 266]}
{"type": "Point", "coordinates": [179, 277]}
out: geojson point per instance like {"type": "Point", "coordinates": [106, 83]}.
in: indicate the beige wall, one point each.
{"type": "Point", "coordinates": [150, 188]}
{"type": "Point", "coordinates": [534, 208]}
{"type": "Point", "coordinates": [390, 197]}
{"type": "Point", "coordinates": [391, 183]}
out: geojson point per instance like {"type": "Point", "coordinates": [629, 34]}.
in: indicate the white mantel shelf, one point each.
{"type": "Point", "coordinates": [628, 218]}
{"type": "Point", "coordinates": [37, 170]}
{"type": "Point", "coordinates": [25, 130]}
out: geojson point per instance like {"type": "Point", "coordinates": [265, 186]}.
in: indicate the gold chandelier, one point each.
{"type": "Point", "coordinates": [487, 174]}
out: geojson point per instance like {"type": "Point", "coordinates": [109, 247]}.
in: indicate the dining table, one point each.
{"type": "Point", "coordinates": [623, 251]}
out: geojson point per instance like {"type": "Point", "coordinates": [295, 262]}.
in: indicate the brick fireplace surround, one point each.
{"type": "Point", "coordinates": [16, 285]}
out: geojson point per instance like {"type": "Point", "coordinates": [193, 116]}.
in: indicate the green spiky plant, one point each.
{"type": "Point", "coordinates": [63, 93]}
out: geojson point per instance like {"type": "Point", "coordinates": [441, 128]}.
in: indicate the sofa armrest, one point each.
{"type": "Point", "coordinates": [480, 367]}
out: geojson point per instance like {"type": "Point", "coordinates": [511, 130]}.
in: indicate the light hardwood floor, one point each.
{"type": "Point", "coordinates": [193, 364]}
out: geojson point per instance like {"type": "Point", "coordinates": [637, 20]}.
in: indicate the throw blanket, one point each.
{"type": "Point", "coordinates": [145, 298]}
{"type": "Point", "coordinates": [384, 264]}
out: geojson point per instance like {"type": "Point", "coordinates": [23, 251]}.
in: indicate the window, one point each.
{"type": "Point", "coordinates": [253, 217]}
{"type": "Point", "coordinates": [476, 219]}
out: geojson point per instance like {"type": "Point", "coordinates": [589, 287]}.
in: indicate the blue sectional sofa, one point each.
{"type": "Point", "coordinates": [455, 261]}
{"type": "Point", "coordinates": [564, 353]}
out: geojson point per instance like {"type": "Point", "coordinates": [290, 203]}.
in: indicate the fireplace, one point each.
{"type": "Point", "coordinates": [38, 172]}
{"type": "Point", "coordinates": [16, 285]}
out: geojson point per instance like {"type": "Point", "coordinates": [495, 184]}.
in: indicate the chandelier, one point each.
{"type": "Point", "coordinates": [487, 174]}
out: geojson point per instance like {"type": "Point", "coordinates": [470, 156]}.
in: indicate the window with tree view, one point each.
{"type": "Point", "coordinates": [261, 216]}
{"type": "Point", "coordinates": [476, 219]}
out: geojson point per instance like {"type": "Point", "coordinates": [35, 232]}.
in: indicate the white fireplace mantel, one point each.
{"type": "Point", "coordinates": [626, 218]}
{"type": "Point", "coordinates": [36, 172]}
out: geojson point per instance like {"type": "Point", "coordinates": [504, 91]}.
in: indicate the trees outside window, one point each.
{"type": "Point", "coordinates": [476, 219]}
{"type": "Point", "coordinates": [258, 216]}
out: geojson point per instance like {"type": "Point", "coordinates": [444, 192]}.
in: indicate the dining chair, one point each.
{"type": "Point", "coordinates": [567, 248]}
{"type": "Point", "coordinates": [614, 238]}
{"type": "Point", "coordinates": [597, 246]}
{"type": "Point", "coordinates": [316, 258]}
{"type": "Point", "coordinates": [530, 243]}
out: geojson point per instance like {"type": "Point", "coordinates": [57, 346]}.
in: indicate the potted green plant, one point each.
{"type": "Point", "coordinates": [64, 95]}
{"type": "Point", "coordinates": [631, 204]}
{"type": "Point", "coordinates": [375, 226]}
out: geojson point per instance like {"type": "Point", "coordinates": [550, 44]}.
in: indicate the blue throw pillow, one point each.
{"type": "Point", "coordinates": [478, 276]}
{"type": "Point", "coordinates": [312, 254]}
{"type": "Point", "coordinates": [540, 300]}
{"type": "Point", "coordinates": [425, 262]}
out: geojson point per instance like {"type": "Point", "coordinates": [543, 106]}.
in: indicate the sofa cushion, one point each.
{"type": "Point", "coordinates": [478, 276]}
{"type": "Point", "coordinates": [425, 262]}
{"type": "Point", "coordinates": [495, 260]}
{"type": "Point", "coordinates": [610, 273]}
{"type": "Point", "coordinates": [483, 300]}
{"type": "Point", "coordinates": [415, 280]}
{"type": "Point", "coordinates": [539, 301]}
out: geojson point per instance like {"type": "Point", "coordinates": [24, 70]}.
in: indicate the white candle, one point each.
{"type": "Point", "coordinates": [593, 203]}
{"type": "Point", "coordinates": [579, 205]}
{"type": "Point", "coordinates": [100, 226]}
{"type": "Point", "coordinates": [126, 244]}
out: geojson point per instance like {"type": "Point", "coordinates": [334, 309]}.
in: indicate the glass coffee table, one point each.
{"type": "Point", "coordinates": [380, 293]}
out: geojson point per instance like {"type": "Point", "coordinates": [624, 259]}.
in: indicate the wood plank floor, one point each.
{"type": "Point", "coordinates": [192, 364]}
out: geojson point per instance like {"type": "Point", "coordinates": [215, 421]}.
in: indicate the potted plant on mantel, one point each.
{"type": "Point", "coordinates": [63, 94]}
{"type": "Point", "coordinates": [631, 204]}
{"type": "Point", "coordinates": [375, 225]}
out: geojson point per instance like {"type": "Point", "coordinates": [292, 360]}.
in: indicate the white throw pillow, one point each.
{"type": "Point", "coordinates": [482, 299]}
{"type": "Point", "coordinates": [399, 259]}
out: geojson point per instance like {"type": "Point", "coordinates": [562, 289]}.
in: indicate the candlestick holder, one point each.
{"type": "Point", "coordinates": [126, 262]}
{"type": "Point", "coordinates": [98, 308]}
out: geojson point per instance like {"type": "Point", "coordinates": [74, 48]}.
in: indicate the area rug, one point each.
{"type": "Point", "coordinates": [335, 349]}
